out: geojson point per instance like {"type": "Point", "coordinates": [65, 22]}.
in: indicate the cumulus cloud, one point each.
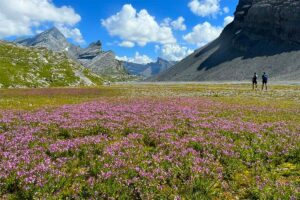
{"type": "Point", "coordinates": [226, 10]}
{"type": "Point", "coordinates": [156, 48]}
{"type": "Point", "coordinates": [140, 59]}
{"type": "Point", "coordinates": [137, 27]}
{"type": "Point", "coordinates": [166, 22]}
{"type": "Point", "coordinates": [73, 33]}
{"type": "Point", "coordinates": [127, 44]}
{"type": "Point", "coordinates": [19, 17]}
{"type": "Point", "coordinates": [228, 20]}
{"type": "Point", "coordinates": [203, 34]}
{"type": "Point", "coordinates": [174, 52]}
{"type": "Point", "coordinates": [205, 8]}
{"type": "Point", "coordinates": [179, 24]}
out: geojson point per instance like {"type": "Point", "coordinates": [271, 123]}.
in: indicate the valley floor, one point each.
{"type": "Point", "coordinates": [288, 83]}
{"type": "Point", "coordinates": [150, 141]}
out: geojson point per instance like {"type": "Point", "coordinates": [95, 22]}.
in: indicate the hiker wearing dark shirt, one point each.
{"type": "Point", "coordinates": [254, 81]}
{"type": "Point", "coordinates": [264, 81]}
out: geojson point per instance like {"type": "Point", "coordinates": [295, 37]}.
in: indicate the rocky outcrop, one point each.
{"type": "Point", "coordinates": [92, 57]}
{"type": "Point", "coordinates": [102, 64]}
{"type": "Point", "coordinates": [39, 67]}
{"type": "Point", "coordinates": [264, 36]}
{"type": "Point", "coordinates": [92, 51]}
{"type": "Point", "coordinates": [52, 39]}
{"type": "Point", "coordinates": [270, 19]}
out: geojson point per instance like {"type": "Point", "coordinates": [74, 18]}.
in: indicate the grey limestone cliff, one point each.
{"type": "Point", "coordinates": [92, 57]}
{"type": "Point", "coordinates": [264, 36]}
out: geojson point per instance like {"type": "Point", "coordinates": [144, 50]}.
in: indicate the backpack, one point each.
{"type": "Point", "coordinates": [265, 77]}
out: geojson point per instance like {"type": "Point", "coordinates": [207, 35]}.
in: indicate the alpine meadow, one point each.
{"type": "Point", "coordinates": [185, 100]}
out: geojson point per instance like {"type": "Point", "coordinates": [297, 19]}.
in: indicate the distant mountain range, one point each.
{"type": "Point", "coordinates": [101, 62]}
{"type": "Point", "coordinates": [264, 36]}
{"type": "Point", "coordinates": [150, 69]}
{"type": "Point", "coordinates": [92, 57]}
{"type": "Point", "coordinates": [39, 67]}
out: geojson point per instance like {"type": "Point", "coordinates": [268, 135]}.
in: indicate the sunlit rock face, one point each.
{"type": "Point", "coordinates": [93, 57]}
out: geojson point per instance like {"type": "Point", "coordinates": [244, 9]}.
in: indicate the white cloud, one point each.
{"type": "Point", "coordinates": [19, 17]}
{"type": "Point", "coordinates": [203, 34]}
{"type": "Point", "coordinates": [137, 27]}
{"type": "Point", "coordinates": [166, 22]}
{"type": "Point", "coordinates": [139, 59]}
{"type": "Point", "coordinates": [205, 8]}
{"type": "Point", "coordinates": [179, 24]}
{"type": "Point", "coordinates": [228, 20]}
{"type": "Point", "coordinates": [113, 43]}
{"type": "Point", "coordinates": [226, 10]}
{"type": "Point", "coordinates": [73, 33]}
{"type": "Point", "coordinates": [174, 52]}
{"type": "Point", "coordinates": [127, 44]}
{"type": "Point", "coordinates": [156, 48]}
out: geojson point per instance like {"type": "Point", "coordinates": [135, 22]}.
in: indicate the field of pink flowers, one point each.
{"type": "Point", "coordinates": [150, 148]}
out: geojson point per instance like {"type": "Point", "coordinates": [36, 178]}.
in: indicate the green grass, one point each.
{"type": "Point", "coordinates": [283, 98]}
{"type": "Point", "coordinates": [31, 99]}
{"type": "Point", "coordinates": [252, 175]}
{"type": "Point", "coordinates": [39, 67]}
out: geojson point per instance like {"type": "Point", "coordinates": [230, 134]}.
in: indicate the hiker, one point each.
{"type": "Point", "coordinates": [264, 81]}
{"type": "Point", "coordinates": [254, 81]}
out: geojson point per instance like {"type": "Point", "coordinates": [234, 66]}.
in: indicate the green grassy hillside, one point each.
{"type": "Point", "coordinates": [38, 67]}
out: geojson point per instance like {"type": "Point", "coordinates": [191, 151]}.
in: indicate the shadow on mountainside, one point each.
{"type": "Point", "coordinates": [230, 46]}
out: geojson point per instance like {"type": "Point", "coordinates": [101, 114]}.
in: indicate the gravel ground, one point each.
{"type": "Point", "coordinates": [204, 83]}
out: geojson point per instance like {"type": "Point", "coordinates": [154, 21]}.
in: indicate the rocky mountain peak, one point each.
{"type": "Point", "coordinates": [242, 10]}
{"type": "Point", "coordinates": [51, 39]}
{"type": "Point", "coordinates": [92, 57]}
{"type": "Point", "coordinates": [264, 36]}
{"type": "Point", "coordinates": [160, 60]}
{"type": "Point", "coordinates": [93, 50]}
{"type": "Point", "coordinates": [270, 19]}
{"type": "Point", "coordinates": [97, 44]}
{"type": "Point", "coordinates": [149, 69]}
{"type": "Point", "coordinates": [53, 32]}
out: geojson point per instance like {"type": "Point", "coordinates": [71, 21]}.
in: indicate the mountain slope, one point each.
{"type": "Point", "coordinates": [52, 39]}
{"type": "Point", "coordinates": [38, 67]}
{"type": "Point", "coordinates": [265, 36]}
{"type": "Point", "coordinates": [92, 57]}
{"type": "Point", "coordinates": [150, 69]}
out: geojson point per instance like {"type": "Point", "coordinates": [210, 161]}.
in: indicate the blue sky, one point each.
{"type": "Point", "coordinates": [142, 31]}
